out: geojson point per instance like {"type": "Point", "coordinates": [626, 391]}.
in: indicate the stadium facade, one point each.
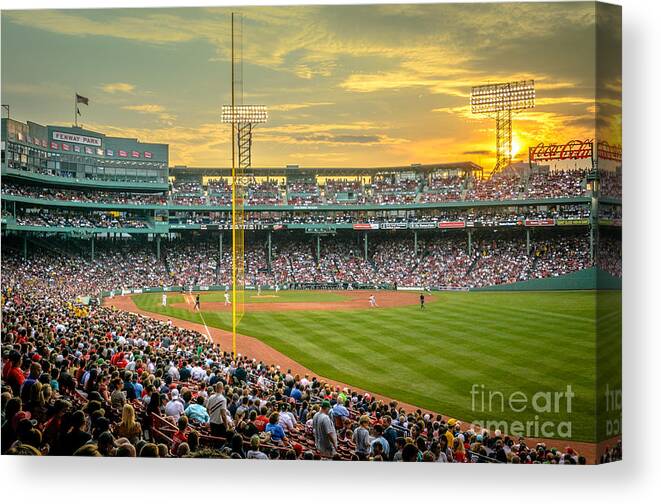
{"type": "Point", "coordinates": [74, 183]}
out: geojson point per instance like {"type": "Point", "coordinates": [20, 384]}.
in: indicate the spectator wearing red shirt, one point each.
{"type": "Point", "coordinates": [262, 420]}
{"type": "Point", "coordinates": [12, 374]}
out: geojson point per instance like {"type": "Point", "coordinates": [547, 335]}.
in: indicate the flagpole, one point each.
{"type": "Point", "coordinates": [75, 110]}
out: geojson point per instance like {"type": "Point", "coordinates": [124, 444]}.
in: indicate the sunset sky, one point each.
{"type": "Point", "coordinates": [362, 85]}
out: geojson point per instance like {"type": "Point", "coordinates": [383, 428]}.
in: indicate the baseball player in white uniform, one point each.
{"type": "Point", "coordinates": [227, 298]}
{"type": "Point", "coordinates": [164, 299]}
{"type": "Point", "coordinates": [373, 301]}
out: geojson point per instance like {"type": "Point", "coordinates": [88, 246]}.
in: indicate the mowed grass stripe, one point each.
{"type": "Point", "coordinates": [537, 341]}
{"type": "Point", "coordinates": [459, 356]}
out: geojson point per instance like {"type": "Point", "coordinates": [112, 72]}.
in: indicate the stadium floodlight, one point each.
{"type": "Point", "coordinates": [238, 114]}
{"type": "Point", "coordinates": [243, 117]}
{"type": "Point", "coordinates": [499, 101]}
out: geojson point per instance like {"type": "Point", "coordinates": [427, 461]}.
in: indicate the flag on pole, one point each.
{"type": "Point", "coordinates": [82, 99]}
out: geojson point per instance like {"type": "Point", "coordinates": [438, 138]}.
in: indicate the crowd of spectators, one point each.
{"type": "Point", "coordinates": [440, 261]}
{"type": "Point", "coordinates": [219, 192]}
{"type": "Point", "coordinates": [63, 218]}
{"type": "Point", "coordinates": [342, 191]}
{"type": "Point", "coordinates": [559, 256]}
{"type": "Point", "coordinates": [498, 187]}
{"type": "Point", "coordinates": [385, 189]}
{"type": "Point", "coordinates": [440, 189]}
{"type": "Point", "coordinates": [93, 381]}
{"type": "Point", "coordinates": [263, 193]}
{"type": "Point", "coordinates": [84, 196]}
{"type": "Point", "coordinates": [193, 263]}
{"type": "Point", "coordinates": [556, 184]}
{"type": "Point", "coordinates": [485, 216]}
{"type": "Point", "coordinates": [610, 183]}
{"type": "Point", "coordinates": [303, 193]}
{"type": "Point", "coordinates": [609, 254]}
{"type": "Point", "coordinates": [187, 192]}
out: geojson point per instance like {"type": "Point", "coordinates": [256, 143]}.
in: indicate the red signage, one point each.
{"type": "Point", "coordinates": [123, 153]}
{"type": "Point", "coordinates": [540, 222]}
{"type": "Point", "coordinates": [365, 226]}
{"type": "Point", "coordinates": [608, 151]}
{"type": "Point", "coordinates": [452, 224]}
{"type": "Point", "coordinates": [135, 154]}
{"type": "Point", "coordinates": [66, 147]}
{"type": "Point", "coordinates": [148, 155]}
{"type": "Point", "coordinates": [54, 145]}
{"type": "Point", "coordinates": [575, 149]}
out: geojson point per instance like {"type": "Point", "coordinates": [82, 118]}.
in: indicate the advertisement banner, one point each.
{"type": "Point", "coordinates": [363, 226]}
{"type": "Point", "coordinates": [422, 225]}
{"type": "Point", "coordinates": [610, 222]}
{"type": "Point", "coordinates": [540, 222]}
{"type": "Point", "coordinates": [393, 225]}
{"type": "Point", "coordinates": [572, 222]}
{"type": "Point", "coordinates": [452, 225]}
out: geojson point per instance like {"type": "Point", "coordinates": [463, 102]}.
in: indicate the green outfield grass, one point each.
{"type": "Point", "coordinates": [520, 343]}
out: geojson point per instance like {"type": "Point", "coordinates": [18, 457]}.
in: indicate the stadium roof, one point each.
{"type": "Point", "coordinates": [344, 171]}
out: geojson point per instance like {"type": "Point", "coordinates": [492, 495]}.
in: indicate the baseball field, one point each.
{"type": "Point", "coordinates": [482, 357]}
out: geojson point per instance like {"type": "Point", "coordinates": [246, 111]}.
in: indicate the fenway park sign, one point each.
{"type": "Point", "coordinates": [80, 139]}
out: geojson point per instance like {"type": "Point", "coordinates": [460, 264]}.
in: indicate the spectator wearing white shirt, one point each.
{"type": "Point", "coordinates": [175, 406]}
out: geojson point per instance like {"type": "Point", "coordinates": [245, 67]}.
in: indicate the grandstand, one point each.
{"type": "Point", "coordinates": [82, 225]}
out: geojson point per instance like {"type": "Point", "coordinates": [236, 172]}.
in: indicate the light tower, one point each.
{"type": "Point", "coordinates": [499, 101]}
{"type": "Point", "coordinates": [241, 118]}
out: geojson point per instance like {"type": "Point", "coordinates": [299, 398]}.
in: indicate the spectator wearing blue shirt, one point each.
{"type": "Point", "coordinates": [137, 386]}
{"type": "Point", "coordinates": [296, 393]}
{"type": "Point", "coordinates": [128, 386]}
{"type": "Point", "coordinates": [378, 430]}
{"type": "Point", "coordinates": [197, 411]}
{"type": "Point", "coordinates": [277, 432]}
{"type": "Point", "coordinates": [339, 411]}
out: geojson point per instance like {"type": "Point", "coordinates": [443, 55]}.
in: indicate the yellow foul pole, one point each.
{"type": "Point", "coordinates": [234, 251]}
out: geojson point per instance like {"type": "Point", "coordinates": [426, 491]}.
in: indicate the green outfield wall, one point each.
{"type": "Point", "coordinates": [587, 279]}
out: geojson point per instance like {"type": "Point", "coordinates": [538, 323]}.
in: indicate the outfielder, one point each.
{"type": "Point", "coordinates": [227, 299]}
{"type": "Point", "coordinates": [164, 299]}
{"type": "Point", "coordinates": [373, 301]}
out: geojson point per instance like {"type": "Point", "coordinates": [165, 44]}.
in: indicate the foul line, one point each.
{"type": "Point", "coordinates": [206, 327]}
{"type": "Point", "coordinates": [201, 316]}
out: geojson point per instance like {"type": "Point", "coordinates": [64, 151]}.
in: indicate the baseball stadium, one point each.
{"type": "Point", "coordinates": [449, 311]}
